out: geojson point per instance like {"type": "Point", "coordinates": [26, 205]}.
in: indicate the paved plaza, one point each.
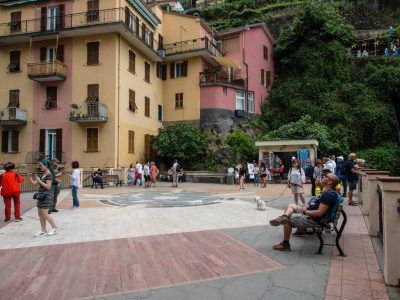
{"type": "Point", "coordinates": [199, 241]}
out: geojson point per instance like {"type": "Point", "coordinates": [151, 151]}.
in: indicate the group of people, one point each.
{"type": "Point", "coordinates": [330, 178]}
{"type": "Point", "coordinates": [259, 174]}
{"type": "Point", "coordinates": [49, 184]}
{"type": "Point", "coordinates": [138, 172]}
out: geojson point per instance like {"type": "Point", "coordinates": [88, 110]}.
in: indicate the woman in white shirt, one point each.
{"type": "Point", "coordinates": [296, 179]}
{"type": "Point", "coordinates": [75, 179]}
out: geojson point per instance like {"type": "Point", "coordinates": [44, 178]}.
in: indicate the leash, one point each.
{"type": "Point", "coordinates": [280, 195]}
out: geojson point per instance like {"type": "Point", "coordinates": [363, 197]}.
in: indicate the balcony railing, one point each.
{"type": "Point", "coordinates": [47, 71]}
{"type": "Point", "coordinates": [93, 112]}
{"type": "Point", "coordinates": [36, 156]}
{"type": "Point", "coordinates": [13, 116]}
{"type": "Point", "coordinates": [215, 78]}
{"type": "Point", "coordinates": [192, 45]}
{"type": "Point", "coordinates": [82, 22]}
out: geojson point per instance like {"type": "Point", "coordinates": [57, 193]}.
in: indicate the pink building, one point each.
{"type": "Point", "coordinates": [238, 89]}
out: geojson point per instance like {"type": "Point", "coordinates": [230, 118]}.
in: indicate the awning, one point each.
{"type": "Point", "coordinates": [226, 62]}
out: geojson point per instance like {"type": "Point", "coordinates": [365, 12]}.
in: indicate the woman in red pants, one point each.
{"type": "Point", "coordinates": [10, 190]}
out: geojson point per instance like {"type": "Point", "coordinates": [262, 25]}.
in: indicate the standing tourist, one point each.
{"type": "Point", "coordinates": [44, 198]}
{"type": "Point", "coordinates": [351, 176]}
{"type": "Point", "coordinates": [75, 179]}
{"type": "Point", "coordinates": [296, 179]}
{"type": "Point", "coordinates": [341, 174]}
{"type": "Point", "coordinates": [175, 172]}
{"type": "Point", "coordinates": [328, 165]}
{"type": "Point", "coordinates": [256, 170]}
{"type": "Point", "coordinates": [139, 172]}
{"type": "Point", "coordinates": [310, 176]}
{"type": "Point", "coordinates": [131, 175]}
{"type": "Point", "coordinates": [56, 184]}
{"type": "Point", "coordinates": [318, 170]}
{"type": "Point", "coordinates": [263, 175]}
{"type": "Point", "coordinates": [333, 160]}
{"type": "Point", "coordinates": [153, 173]}
{"type": "Point", "coordinates": [147, 178]}
{"type": "Point", "coordinates": [10, 190]}
{"type": "Point", "coordinates": [242, 175]}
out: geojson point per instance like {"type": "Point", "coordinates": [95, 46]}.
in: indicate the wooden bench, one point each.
{"type": "Point", "coordinates": [112, 179]}
{"type": "Point", "coordinates": [319, 231]}
{"type": "Point", "coordinates": [198, 175]}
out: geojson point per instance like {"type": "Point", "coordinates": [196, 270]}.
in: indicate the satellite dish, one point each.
{"type": "Point", "coordinates": [231, 170]}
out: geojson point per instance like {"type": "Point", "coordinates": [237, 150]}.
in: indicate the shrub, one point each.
{"type": "Point", "coordinates": [385, 158]}
{"type": "Point", "coordinates": [242, 146]}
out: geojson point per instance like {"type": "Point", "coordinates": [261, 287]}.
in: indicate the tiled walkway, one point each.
{"type": "Point", "coordinates": [356, 276]}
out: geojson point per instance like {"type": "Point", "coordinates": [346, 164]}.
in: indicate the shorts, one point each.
{"type": "Point", "coordinates": [352, 185]}
{"type": "Point", "coordinates": [147, 178]}
{"type": "Point", "coordinates": [298, 220]}
{"type": "Point", "coordinates": [296, 189]}
{"type": "Point", "coordinates": [175, 177]}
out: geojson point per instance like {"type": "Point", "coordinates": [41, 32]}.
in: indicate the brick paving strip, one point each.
{"type": "Point", "coordinates": [358, 275]}
{"type": "Point", "coordinates": [88, 269]}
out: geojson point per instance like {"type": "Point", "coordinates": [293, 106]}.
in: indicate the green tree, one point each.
{"type": "Point", "coordinates": [243, 147]}
{"type": "Point", "coordinates": [181, 141]}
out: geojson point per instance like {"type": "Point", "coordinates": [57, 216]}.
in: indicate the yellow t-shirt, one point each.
{"type": "Point", "coordinates": [318, 190]}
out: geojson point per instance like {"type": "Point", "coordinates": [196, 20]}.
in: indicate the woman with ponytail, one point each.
{"type": "Point", "coordinates": [44, 197]}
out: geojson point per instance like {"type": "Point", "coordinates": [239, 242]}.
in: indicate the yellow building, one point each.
{"type": "Point", "coordinates": [93, 80]}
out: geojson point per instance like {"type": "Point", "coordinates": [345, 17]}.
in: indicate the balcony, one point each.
{"type": "Point", "coordinates": [93, 112]}
{"type": "Point", "coordinates": [221, 78]}
{"type": "Point", "coordinates": [13, 116]}
{"type": "Point", "coordinates": [86, 23]}
{"type": "Point", "coordinates": [47, 71]}
{"type": "Point", "coordinates": [196, 47]}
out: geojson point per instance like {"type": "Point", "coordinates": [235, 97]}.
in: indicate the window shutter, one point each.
{"type": "Point", "coordinates": [14, 141]}
{"type": "Point", "coordinates": [158, 70]}
{"type": "Point", "coordinates": [51, 93]}
{"type": "Point", "coordinates": [143, 31]}
{"type": "Point", "coordinates": [137, 26]}
{"type": "Point", "coordinates": [92, 139]}
{"type": "Point", "coordinates": [96, 5]}
{"type": "Point", "coordinates": [15, 60]}
{"type": "Point", "coordinates": [151, 39]}
{"type": "Point", "coordinates": [13, 99]}
{"type": "Point", "coordinates": [15, 21]}
{"type": "Point", "coordinates": [127, 16]}
{"type": "Point", "coordinates": [59, 144]}
{"type": "Point", "coordinates": [262, 77]}
{"type": "Point", "coordinates": [268, 78]}
{"type": "Point", "coordinates": [160, 42]}
{"type": "Point", "coordinates": [93, 53]}
{"type": "Point", "coordinates": [147, 106]}
{"type": "Point", "coordinates": [164, 72]}
{"type": "Point", "coordinates": [132, 61]}
{"type": "Point", "coordinates": [60, 20]}
{"type": "Point", "coordinates": [43, 54]}
{"type": "Point", "coordinates": [42, 140]}
{"type": "Point", "coordinates": [147, 71]}
{"type": "Point", "coordinates": [132, 102]}
{"type": "Point", "coordinates": [43, 19]}
{"type": "Point", "coordinates": [184, 68]}
{"type": "Point", "coordinates": [4, 141]}
{"type": "Point", "coordinates": [131, 141]}
{"type": "Point", "coordinates": [60, 53]}
{"type": "Point", "coordinates": [147, 146]}
{"type": "Point", "coordinates": [172, 70]}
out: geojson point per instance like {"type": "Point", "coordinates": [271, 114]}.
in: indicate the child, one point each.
{"type": "Point", "coordinates": [75, 179]}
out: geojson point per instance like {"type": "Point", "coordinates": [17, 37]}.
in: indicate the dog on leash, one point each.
{"type": "Point", "coordinates": [260, 203]}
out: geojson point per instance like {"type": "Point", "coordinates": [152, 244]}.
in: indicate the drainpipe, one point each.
{"type": "Point", "coordinates": [118, 92]}
{"type": "Point", "coordinates": [247, 70]}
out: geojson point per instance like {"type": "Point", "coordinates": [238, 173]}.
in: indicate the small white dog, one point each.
{"type": "Point", "coordinates": [260, 203]}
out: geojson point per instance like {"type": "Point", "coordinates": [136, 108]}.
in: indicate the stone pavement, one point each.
{"type": "Point", "coordinates": [200, 241]}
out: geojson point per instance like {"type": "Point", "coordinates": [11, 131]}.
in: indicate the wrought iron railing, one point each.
{"type": "Point", "coordinates": [13, 115]}
{"type": "Point", "coordinates": [221, 77]}
{"type": "Point", "coordinates": [81, 20]}
{"type": "Point", "coordinates": [47, 68]}
{"type": "Point", "coordinates": [202, 43]}
{"type": "Point", "coordinates": [36, 156]}
{"type": "Point", "coordinates": [91, 112]}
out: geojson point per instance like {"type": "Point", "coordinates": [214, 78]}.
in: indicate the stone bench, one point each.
{"type": "Point", "coordinates": [196, 176]}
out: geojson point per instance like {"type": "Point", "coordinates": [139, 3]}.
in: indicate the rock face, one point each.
{"type": "Point", "coordinates": [221, 121]}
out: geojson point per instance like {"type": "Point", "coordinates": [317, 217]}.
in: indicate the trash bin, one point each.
{"type": "Point", "coordinates": [230, 178]}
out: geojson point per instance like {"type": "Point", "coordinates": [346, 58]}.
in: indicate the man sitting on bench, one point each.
{"type": "Point", "coordinates": [309, 215]}
{"type": "Point", "coordinates": [97, 178]}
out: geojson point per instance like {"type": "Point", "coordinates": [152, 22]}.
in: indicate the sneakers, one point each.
{"type": "Point", "coordinates": [51, 231]}
{"type": "Point", "coordinates": [281, 220]}
{"type": "Point", "coordinates": [18, 220]}
{"type": "Point", "coordinates": [298, 234]}
{"type": "Point", "coordinates": [40, 233]}
{"type": "Point", "coordinates": [282, 247]}
{"type": "Point", "coordinates": [54, 210]}
{"type": "Point", "coordinates": [7, 220]}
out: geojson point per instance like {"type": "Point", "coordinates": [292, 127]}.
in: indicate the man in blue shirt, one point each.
{"type": "Point", "coordinates": [351, 176]}
{"type": "Point", "coordinates": [309, 215]}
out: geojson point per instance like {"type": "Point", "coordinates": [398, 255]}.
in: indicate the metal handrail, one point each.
{"type": "Point", "coordinates": [192, 45]}
{"type": "Point", "coordinates": [215, 77]}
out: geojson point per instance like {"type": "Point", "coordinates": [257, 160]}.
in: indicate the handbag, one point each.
{"type": "Point", "coordinates": [38, 196]}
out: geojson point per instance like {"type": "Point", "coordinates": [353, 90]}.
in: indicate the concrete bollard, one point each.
{"type": "Point", "coordinates": [362, 183]}
{"type": "Point", "coordinates": [391, 230]}
{"type": "Point", "coordinates": [369, 191]}
{"type": "Point", "coordinates": [372, 199]}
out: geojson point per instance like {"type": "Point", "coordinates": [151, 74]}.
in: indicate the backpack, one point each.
{"type": "Point", "coordinates": [331, 217]}
{"type": "Point", "coordinates": [177, 167]}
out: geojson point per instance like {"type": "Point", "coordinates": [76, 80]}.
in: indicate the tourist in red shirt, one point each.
{"type": "Point", "coordinates": [10, 189]}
